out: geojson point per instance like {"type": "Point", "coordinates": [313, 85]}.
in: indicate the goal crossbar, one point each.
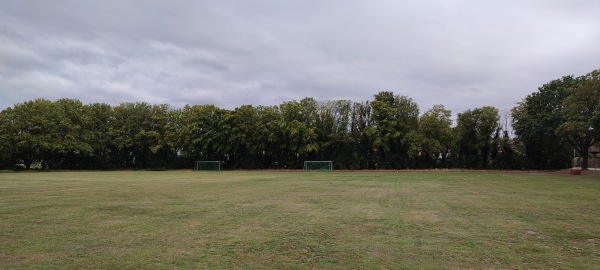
{"type": "Point", "coordinates": [207, 165]}
{"type": "Point", "coordinates": [318, 165]}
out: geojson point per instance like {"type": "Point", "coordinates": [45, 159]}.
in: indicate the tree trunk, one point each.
{"type": "Point", "coordinates": [583, 150]}
{"type": "Point", "coordinates": [584, 156]}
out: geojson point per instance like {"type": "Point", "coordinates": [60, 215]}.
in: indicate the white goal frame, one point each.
{"type": "Point", "coordinates": [197, 166]}
{"type": "Point", "coordinates": [327, 165]}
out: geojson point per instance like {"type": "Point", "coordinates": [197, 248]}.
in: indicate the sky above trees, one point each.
{"type": "Point", "coordinates": [463, 54]}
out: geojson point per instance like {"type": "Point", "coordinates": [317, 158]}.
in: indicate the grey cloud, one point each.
{"type": "Point", "coordinates": [462, 54]}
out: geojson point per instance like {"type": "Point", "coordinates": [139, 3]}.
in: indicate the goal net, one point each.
{"type": "Point", "coordinates": [318, 166]}
{"type": "Point", "coordinates": [207, 166]}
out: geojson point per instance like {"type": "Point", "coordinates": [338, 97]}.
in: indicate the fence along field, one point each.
{"type": "Point", "coordinates": [127, 220]}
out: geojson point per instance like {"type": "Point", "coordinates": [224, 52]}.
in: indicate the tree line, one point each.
{"type": "Point", "coordinates": [387, 132]}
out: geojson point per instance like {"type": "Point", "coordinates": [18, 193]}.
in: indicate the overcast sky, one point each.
{"type": "Point", "coordinates": [462, 54]}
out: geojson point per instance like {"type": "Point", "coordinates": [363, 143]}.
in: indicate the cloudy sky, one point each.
{"type": "Point", "coordinates": [463, 54]}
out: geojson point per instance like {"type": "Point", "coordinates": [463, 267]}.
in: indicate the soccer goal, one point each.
{"type": "Point", "coordinates": [207, 166]}
{"type": "Point", "coordinates": [318, 166]}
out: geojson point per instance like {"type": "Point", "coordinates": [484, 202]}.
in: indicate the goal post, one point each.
{"type": "Point", "coordinates": [207, 166]}
{"type": "Point", "coordinates": [318, 166]}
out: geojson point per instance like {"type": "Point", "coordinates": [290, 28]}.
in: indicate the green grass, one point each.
{"type": "Point", "coordinates": [277, 220]}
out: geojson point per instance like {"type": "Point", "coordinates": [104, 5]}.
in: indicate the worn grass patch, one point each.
{"type": "Point", "coordinates": [266, 220]}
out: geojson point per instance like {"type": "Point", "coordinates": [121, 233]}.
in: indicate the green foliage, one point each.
{"type": "Point", "coordinates": [595, 123]}
{"type": "Point", "coordinates": [580, 107]}
{"type": "Point", "coordinates": [100, 125]}
{"type": "Point", "coordinates": [431, 143]}
{"type": "Point", "coordinates": [33, 131]}
{"type": "Point", "coordinates": [244, 137]}
{"type": "Point", "coordinates": [298, 137]}
{"type": "Point", "coordinates": [66, 134]}
{"type": "Point", "coordinates": [362, 136]}
{"type": "Point", "coordinates": [393, 117]}
{"type": "Point", "coordinates": [561, 116]}
{"type": "Point", "coordinates": [385, 133]}
{"type": "Point", "coordinates": [536, 121]}
{"type": "Point", "coordinates": [333, 134]}
{"type": "Point", "coordinates": [202, 133]}
{"type": "Point", "coordinates": [474, 129]}
{"type": "Point", "coordinates": [133, 134]}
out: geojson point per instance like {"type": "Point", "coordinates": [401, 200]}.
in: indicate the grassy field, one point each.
{"type": "Point", "coordinates": [288, 220]}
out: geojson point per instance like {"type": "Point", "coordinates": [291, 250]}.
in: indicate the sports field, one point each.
{"type": "Point", "coordinates": [294, 220]}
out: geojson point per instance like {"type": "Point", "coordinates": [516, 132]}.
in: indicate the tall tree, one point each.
{"type": "Point", "coordinates": [203, 133]}
{"type": "Point", "coordinates": [159, 126]}
{"type": "Point", "coordinates": [394, 117]}
{"type": "Point", "coordinates": [596, 123]}
{"type": "Point", "coordinates": [333, 132]}
{"type": "Point", "coordinates": [536, 121]}
{"type": "Point", "coordinates": [6, 150]}
{"type": "Point", "coordinates": [30, 130]}
{"type": "Point", "coordinates": [475, 128]}
{"type": "Point", "coordinates": [99, 123]}
{"type": "Point", "coordinates": [580, 107]}
{"type": "Point", "coordinates": [362, 136]}
{"type": "Point", "coordinates": [70, 141]}
{"type": "Point", "coordinates": [299, 139]}
{"type": "Point", "coordinates": [270, 136]}
{"type": "Point", "coordinates": [434, 137]}
{"type": "Point", "coordinates": [244, 137]}
{"type": "Point", "coordinates": [133, 134]}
